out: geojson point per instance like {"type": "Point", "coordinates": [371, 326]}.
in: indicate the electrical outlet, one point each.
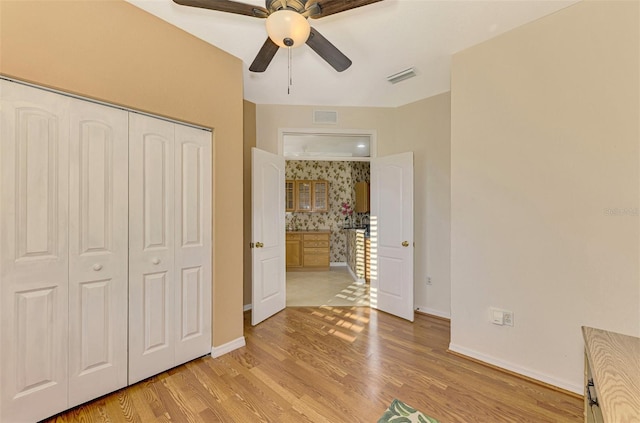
{"type": "Point", "coordinates": [429, 280]}
{"type": "Point", "coordinates": [500, 317]}
{"type": "Point", "coordinates": [507, 318]}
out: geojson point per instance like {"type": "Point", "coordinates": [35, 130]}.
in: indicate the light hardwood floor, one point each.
{"type": "Point", "coordinates": [332, 364]}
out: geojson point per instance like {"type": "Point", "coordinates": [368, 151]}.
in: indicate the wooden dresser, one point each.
{"type": "Point", "coordinates": [612, 377]}
{"type": "Point", "coordinates": [307, 250]}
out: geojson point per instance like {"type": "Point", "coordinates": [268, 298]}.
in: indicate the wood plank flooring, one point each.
{"type": "Point", "coordinates": [333, 364]}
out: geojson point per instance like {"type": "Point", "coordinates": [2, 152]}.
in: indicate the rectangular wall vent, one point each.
{"type": "Point", "coordinates": [325, 116]}
{"type": "Point", "coordinates": [401, 76]}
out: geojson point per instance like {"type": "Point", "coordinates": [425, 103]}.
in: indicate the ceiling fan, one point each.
{"type": "Point", "coordinates": [287, 25]}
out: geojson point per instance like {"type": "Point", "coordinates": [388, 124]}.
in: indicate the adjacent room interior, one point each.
{"type": "Point", "coordinates": [327, 218]}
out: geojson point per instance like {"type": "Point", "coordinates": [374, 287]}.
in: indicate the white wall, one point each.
{"type": "Point", "coordinates": [545, 189]}
{"type": "Point", "coordinates": [424, 127]}
{"type": "Point", "coordinates": [421, 127]}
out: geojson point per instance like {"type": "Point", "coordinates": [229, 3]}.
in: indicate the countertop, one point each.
{"type": "Point", "coordinates": [615, 367]}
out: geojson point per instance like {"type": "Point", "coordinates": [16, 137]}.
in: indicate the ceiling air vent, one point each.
{"type": "Point", "coordinates": [401, 76]}
{"type": "Point", "coordinates": [325, 116]}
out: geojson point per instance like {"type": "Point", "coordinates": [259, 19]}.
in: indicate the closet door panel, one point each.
{"type": "Point", "coordinates": [151, 246]}
{"type": "Point", "coordinates": [98, 250]}
{"type": "Point", "coordinates": [193, 243]}
{"type": "Point", "coordinates": [33, 252]}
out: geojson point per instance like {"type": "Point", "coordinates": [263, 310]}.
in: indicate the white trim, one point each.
{"type": "Point", "coordinates": [433, 312]}
{"type": "Point", "coordinates": [578, 389]}
{"type": "Point", "coordinates": [371, 133]}
{"type": "Point", "coordinates": [337, 264]}
{"type": "Point", "coordinates": [247, 307]}
{"type": "Point", "coordinates": [228, 347]}
{"type": "Point", "coordinates": [103, 103]}
{"type": "Point", "coordinates": [355, 278]}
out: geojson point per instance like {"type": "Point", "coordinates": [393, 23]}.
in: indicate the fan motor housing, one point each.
{"type": "Point", "coordinates": [274, 5]}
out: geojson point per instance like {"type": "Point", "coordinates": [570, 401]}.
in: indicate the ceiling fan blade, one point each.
{"type": "Point", "coordinates": [328, 51]}
{"type": "Point", "coordinates": [264, 57]}
{"type": "Point", "coordinates": [227, 6]}
{"type": "Point", "coordinates": [329, 7]}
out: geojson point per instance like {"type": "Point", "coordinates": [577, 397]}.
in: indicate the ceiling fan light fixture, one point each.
{"type": "Point", "coordinates": [288, 28]}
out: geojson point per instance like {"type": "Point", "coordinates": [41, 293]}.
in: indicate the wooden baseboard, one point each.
{"type": "Point", "coordinates": [518, 375]}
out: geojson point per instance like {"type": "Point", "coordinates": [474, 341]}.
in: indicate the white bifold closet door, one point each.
{"type": "Point", "coordinates": [34, 166]}
{"type": "Point", "coordinates": [63, 252]}
{"type": "Point", "coordinates": [98, 250]}
{"type": "Point", "coordinates": [169, 245]}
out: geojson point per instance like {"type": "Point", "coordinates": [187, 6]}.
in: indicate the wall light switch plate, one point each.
{"type": "Point", "coordinates": [497, 317]}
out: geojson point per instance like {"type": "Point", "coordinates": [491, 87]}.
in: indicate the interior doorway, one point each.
{"type": "Point", "coordinates": [340, 157]}
{"type": "Point", "coordinates": [391, 233]}
{"type": "Point", "coordinates": [342, 281]}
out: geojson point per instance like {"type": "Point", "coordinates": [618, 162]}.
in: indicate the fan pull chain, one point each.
{"type": "Point", "coordinates": [290, 83]}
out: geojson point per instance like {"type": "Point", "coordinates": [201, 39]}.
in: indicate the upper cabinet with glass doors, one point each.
{"type": "Point", "coordinates": [307, 196]}
{"type": "Point", "coordinates": [290, 196]}
{"type": "Point", "coordinates": [320, 196]}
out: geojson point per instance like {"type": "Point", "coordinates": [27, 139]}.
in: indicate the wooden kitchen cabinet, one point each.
{"type": "Point", "coordinates": [362, 197]}
{"type": "Point", "coordinates": [307, 196]}
{"type": "Point", "coordinates": [304, 196]}
{"type": "Point", "coordinates": [320, 196]}
{"type": "Point", "coordinates": [290, 196]}
{"type": "Point", "coordinates": [293, 250]}
{"type": "Point", "coordinates": [307, 250]}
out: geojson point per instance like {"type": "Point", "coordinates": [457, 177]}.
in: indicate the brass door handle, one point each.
{"type": "Point", "coordinates": [405, 243]}
{"type": "Point", "coordinates": [259, 245]}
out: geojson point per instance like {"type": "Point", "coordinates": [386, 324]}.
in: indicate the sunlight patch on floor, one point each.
{"type": "Point", "coordinates": [335, 287]}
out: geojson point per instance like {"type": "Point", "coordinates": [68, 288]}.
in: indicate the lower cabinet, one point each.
{"type": "Point", "coordinates": [105, 226]}
{"type": "Point", "coordinates": [308, 250]}
{"type": "Point", "coordinates": [294, 250]}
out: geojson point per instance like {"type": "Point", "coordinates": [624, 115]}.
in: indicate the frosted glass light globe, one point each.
{"type": "Point", "coordinates": [287, 28]}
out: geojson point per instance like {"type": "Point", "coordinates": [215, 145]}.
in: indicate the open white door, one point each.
{"type": "Point", "coordinates": [392, 234]}
{"type": "Point", "coordinates": [267, 238]}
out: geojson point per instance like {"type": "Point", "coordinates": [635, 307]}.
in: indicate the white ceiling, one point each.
{"type": "Point", "coordinates": [381, 39]}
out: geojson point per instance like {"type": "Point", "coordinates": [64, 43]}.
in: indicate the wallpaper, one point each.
{"type": "Point", "coordinates": [342, 177]}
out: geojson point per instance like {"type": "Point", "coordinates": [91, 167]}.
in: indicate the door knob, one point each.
{"type": "Point", "coordinates": [405, 243]}
{"type": "Point", "coordinates": [97, 267]}
{"type": "Point", "coordinates": [155, 260]}
{"type": "Point", "coordinates": [259, 245]}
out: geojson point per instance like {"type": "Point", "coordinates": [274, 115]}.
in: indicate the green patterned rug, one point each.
{"type": "Point", "coordinates": [399, 412]}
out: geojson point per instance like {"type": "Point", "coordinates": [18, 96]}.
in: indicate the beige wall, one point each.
{"type": "Point", "coordinates": [113, 51]}
{"type": "Point", "coordinates": [544, 189]}
{"type": "Point", "coordinates": [422, 127]}
{"type": "Point", "coordinates": [249, 143]}
{"type": "Point", "coordinates": [270, 118]}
